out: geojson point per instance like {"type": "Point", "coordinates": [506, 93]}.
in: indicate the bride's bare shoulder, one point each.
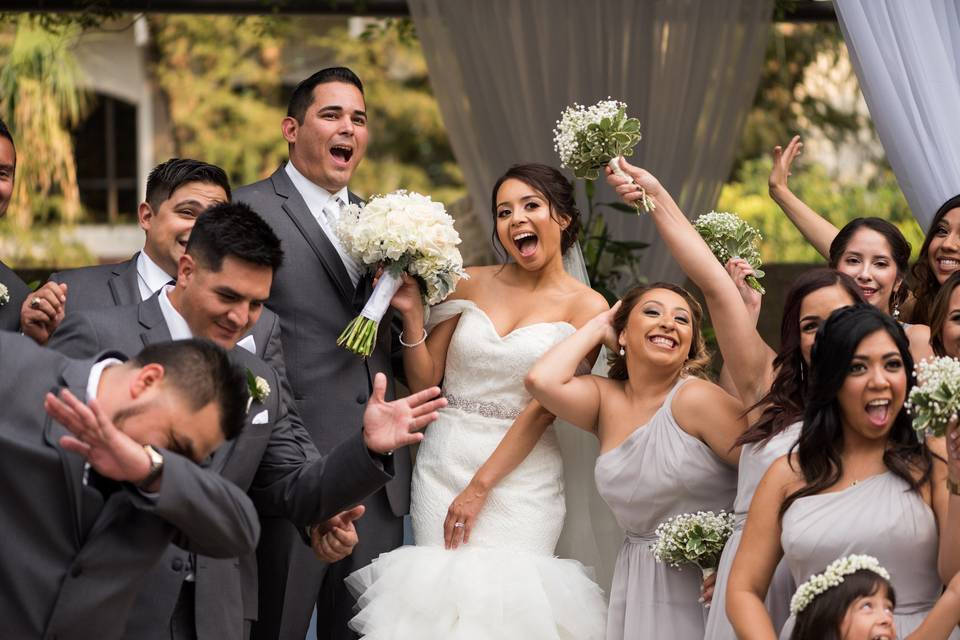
{"type": "Point", "coordinates": [477, 278]}
{"type": "Point", "coordinates": [585, 303]}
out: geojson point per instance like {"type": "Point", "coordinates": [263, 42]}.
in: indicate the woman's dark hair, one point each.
{"type": "Point", "coordinates": [939, 312]}
{"type": "Point", "coordinates": [697, 359]}
{"type": "Point", "coordinates": [554, 187]}
{"type": "Point", "coordinates": [925, 283]}
{"type": "Point", "coordinates": [820, 445]}
{"type": "Point", "coordinates": [821, 619]}
{"type": "Point", "coordinates": [899, 251]}
{"type": "Point", "coordinates": [783, 403]}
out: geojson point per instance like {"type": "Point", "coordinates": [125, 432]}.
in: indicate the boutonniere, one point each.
{"type": "Point", "coordinates": [258, 387]}
{"type": "Point", "coordinates": [4, 294]}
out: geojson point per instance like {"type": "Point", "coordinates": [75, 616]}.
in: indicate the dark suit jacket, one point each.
{"type": "Point", "coordinates": [274, 460]}
{"type": "Point", "coordinates": [72, 567]}
{"type": "Point", "coordinates": [99, 286]}
{"type": "Point", "coordinates": [18, 291]}
{"type": "Point", "coordinates": [315, 300]}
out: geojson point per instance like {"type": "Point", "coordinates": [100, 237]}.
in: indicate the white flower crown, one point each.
{"type": "Point", "coordinates": [832, 577]}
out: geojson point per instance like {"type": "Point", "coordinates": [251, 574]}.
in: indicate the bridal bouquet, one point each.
{"type": "Point", "coordinates": [694, 538]}
{"type": "Point", "coordinates": [936, 398]}
{"type": "Point", "coordinates": [403, 232]}
{"type": "Point", "coordinates": [587, 138]}
{"type": "Point", "coordinates": [4, 294]}
{"type": "Point", "coordinates": [729, 236]}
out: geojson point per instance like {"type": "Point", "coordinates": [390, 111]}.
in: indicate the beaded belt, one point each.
{"type": "Point", "coordinates": [485, 409]}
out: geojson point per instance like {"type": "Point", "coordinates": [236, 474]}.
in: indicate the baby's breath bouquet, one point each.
{"type": "Point", "coordinates": [694, 538]}
{"type": "Point", "coordinates": [729, 236]}
{"type": "Point", "coordinates": [587, 138]}
{"type": "Point", "coordinates": [404, 232]}
{"type": "Point", "coordinates": [936, 398]}
{"type": "Point", "coordinates": [4, 294]}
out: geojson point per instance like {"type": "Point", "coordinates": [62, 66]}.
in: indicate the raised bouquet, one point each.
{"type": "Point", "coordinates": [402, 232]}
{"type": "Point", "coordinates": [936, 398]}
{"type": "Point", "coordinates": [729, 236]}
{"type": "Point", "coordinates": [693, 538]}
{"type": "Point", "coordinates": [587, 138]}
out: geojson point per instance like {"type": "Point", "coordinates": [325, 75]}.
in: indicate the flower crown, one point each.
{"type": "Point", "coordinates": [832, 577]}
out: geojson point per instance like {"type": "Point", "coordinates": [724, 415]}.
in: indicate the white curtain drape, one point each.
{"type": "Point", "coordinates": [503, 70]}
{"type": "Point", "coordinates": [907, 58]}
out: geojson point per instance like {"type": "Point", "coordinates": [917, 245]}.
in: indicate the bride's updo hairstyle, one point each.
{"type": "Point", "coordinates": [555, 189]}
{"type": "Point", "coordinates": [698, 359]}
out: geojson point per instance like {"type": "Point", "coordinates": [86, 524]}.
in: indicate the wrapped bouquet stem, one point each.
{"type": "Point", "coordinates": [587, 138]}
{"type": "Point", "coordinates": [693, 538]}
{"type": "Point", "coordinates": [729, 236]}
{"type": "Point", "coordinates": [936, 397]}
{"type": "Point", "coordinates": [402, 232]}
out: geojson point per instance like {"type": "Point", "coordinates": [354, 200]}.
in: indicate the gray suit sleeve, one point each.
{"type": "Point", "coordinates": [214, 516]}
{"type": "Point", "coordinates": [76, 337]}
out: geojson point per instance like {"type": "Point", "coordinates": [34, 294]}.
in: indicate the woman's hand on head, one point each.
{"type": "Point", "coordinates": [604, 322]}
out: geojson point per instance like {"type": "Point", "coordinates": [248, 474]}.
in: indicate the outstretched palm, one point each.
{"type": "Point", "coordinates": [391, 425]}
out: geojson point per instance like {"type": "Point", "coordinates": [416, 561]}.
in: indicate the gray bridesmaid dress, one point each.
{"type": "Point", "coordinates": [659, 471]}
{"type": "Point", "coordinates": [880, 517]}
{"type": "Point", "coordinates": [755, 459]}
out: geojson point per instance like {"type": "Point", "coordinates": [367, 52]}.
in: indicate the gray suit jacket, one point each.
{"type": "Point", "coordinates": [73, 563]}
{"type": "Point", "coordinates": [273, 459]}
{"type": "Point", "coordinates": [18, 292]}
{"type": "Point", "coordinates": [315, 300]}
{"type": "Point", "coordinates": [99, 286]}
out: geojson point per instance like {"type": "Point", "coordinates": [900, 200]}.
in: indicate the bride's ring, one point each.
{"type": "Point", "coordinates": [458, 525]}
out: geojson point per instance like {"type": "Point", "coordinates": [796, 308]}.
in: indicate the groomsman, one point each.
{"type": "Point", "coordinates": [16, 289]}
{"type": "Point", "coordinates": [317, 293]}
{"type": "Point", "coordinates": [178, 191]}
{"type": "Point", "coordinates": [224, 278]}
{"type": "Point", "coordinates": [80, 538]}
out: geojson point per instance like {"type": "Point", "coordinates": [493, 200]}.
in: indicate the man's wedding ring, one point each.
{"type": "Point", "coordinates": [458, 525]}
{"type": "Point", "coordinates": [35, 303]}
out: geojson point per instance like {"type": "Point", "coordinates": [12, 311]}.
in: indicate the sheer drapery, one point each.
{"type": "Point", "coordinates": [504, 70]}
{"type": "Point", "coordinates": [907, 58]}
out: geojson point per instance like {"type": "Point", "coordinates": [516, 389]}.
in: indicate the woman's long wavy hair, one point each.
{"type": "Point", "coordinates": [940, 311]}
{"type": "Point", "coordinates": [925, 284]}
{"type": "Point", "coordinates": [783, 403]}
{"type": "Point", "coordinates": [698, 359]}
{"type": "Point", "coordinates": [899, 251]}
{"type": "Point", "coordinates": [821, 619]}
{"type": "Point", "coordinates": [820, 445]}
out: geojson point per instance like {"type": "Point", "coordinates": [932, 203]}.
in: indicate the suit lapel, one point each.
{"type": "Point", "coordinates": [151, 319]}
{"type": "Point", "coordinates": [123, 285]}
{"type": "Point", "coordinates": [296, 208]}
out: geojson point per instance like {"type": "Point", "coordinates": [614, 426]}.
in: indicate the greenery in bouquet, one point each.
{"type": "Point", "coordinates": [936, 397]}
{"type": "Point", "coordinates": [729, 236]}
{"type": "Point", "coordinates": [693, 538]}
{"type": "Point", "coordinates": [588, 138]}
{"type": "Point", "coordinates": [401, 232]}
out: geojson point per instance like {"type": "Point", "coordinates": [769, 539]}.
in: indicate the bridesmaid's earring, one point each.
{"type": "Point", "coordinates": [623, 351]}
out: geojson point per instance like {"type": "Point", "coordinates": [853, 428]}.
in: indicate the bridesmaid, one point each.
{"type": "Point", "coordinates": [771, 383]}
{"type": "Point", "coordinates": [939, 254]}
{"type": "Point", "coordinates": [859, 481]}
{"type": "Point", "coordinates": [945, 319]}
{"type": "Point", "coordinates": [679, 459]}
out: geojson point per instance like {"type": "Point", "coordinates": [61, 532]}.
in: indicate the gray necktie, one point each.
{"type": "Point", "coordinates": [331, 211]}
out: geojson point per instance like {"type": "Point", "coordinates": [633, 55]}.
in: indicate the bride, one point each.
{"type": "Point", "coordinates": [491, 574]}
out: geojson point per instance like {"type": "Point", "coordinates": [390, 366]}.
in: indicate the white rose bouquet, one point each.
{"type": "Point", "coordinates": [403, 232]}
{"type": "Point", "coordinates": [729, 236]}
{"type": "Point", "coordinates": [936, 398]}
{"type": "Point", "coordinates": [4, 294]}
{"type": "Point", "coordinates": [587, 138]}
{"type": "Point", "coordinates": [693, 538]}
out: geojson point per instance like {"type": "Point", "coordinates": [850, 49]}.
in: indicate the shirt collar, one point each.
{"type": "Point", "coordinates": [151, 276]}
{"type": "Point", "coordinates": [178, 327]}
{"type": "Point", "coordinates": [93, 382]}
{"type": "Point", "coordinates": [313, 194]}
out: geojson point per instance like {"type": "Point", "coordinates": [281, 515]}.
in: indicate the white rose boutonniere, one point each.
{"type": "Point", "coordinates": [258, 388]}
{"type": "Point", "coordinates": [4, 294]}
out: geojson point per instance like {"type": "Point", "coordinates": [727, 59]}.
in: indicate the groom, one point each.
{"type": "Point", "coordinates": [316, 293]}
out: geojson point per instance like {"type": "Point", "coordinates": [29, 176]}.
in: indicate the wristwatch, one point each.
{"type": "Point", "coordinates": [156, 466]}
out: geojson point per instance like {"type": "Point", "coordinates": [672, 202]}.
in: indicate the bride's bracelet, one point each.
{"type": "Point", "coordinates": [413, 344]}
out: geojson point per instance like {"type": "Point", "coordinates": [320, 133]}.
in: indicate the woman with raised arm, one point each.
{"type": "Point", "coordinates": [772, 384]}
{"type": "Point", "coordinates": [667, 444]}
{"type": "Point", "coordinates": [859, 481]}
{"type": "Point", "coordinates": [487, 498]}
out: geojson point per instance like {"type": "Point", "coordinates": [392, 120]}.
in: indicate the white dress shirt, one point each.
{"type": "Point", "coordinates": [150, 277]}
{"type": "Point", "coordinates": [317, 198]}
{"type": "Point", "coordinates": [179, 329]}
{"type": "Point", "coordinates": [93, 385]}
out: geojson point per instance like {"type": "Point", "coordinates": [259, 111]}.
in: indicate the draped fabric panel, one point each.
{"type": "Point", "coordinates": [503, 71]}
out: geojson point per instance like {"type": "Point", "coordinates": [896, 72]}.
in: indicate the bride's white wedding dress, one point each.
{"type": "Point", "coordinates": [505, 583]}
